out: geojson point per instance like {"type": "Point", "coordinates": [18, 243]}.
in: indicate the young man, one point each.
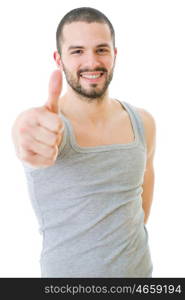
{"type": "Point", "coordinates": [88, 159]}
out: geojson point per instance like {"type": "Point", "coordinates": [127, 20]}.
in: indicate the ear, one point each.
{"type": "Point", "coordinates": [115, 54]}
{"type": "Point", "coordinates": [115, 51]}
{"type": "Point", "coordinates": [57, 59]}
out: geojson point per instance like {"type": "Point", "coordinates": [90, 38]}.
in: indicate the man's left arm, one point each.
{"type": "Point", "coordinates": [149, 176]}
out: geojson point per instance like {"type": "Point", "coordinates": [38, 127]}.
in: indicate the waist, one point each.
{"type": "Point", "coordinates": [100, 239]}
{"type": "Point", "coordinates": [99, 258]}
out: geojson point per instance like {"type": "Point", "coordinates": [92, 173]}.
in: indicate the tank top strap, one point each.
{"type": "Point", "coordinates": [65, 144]}
{"type": "Point", "coordinates": [138, 121]}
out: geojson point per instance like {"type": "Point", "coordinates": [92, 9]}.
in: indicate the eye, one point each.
{"type": "Point", "coordinates": [102, 50]}
{"type": "Point", "coordinates": [77, 52]}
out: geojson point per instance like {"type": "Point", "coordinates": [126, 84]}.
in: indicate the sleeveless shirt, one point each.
{"type": "Point", "coordinates": [89, 207]}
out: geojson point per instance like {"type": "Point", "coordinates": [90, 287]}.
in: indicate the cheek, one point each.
{"type": "Point", "coordinates": [108, 62]}
{"type": "Point", "coordinates": [74, 66]}
{"type": "Point", "coordinates": [70, 64]}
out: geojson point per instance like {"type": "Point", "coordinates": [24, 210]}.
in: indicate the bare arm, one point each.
{"type": "Point", "coordinates": [149, 177]}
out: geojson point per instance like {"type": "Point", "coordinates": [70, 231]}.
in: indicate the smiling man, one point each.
{"type": "Point", "coordinates": [88, 160]}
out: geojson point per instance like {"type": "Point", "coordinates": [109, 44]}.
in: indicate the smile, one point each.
{"type": "Point", "coordinates": [92, 76]}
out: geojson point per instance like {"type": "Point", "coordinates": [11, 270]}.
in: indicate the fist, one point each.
{"type": "Point", "coordinates": [37, 132]}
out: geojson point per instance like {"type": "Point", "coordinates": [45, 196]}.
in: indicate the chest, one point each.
{"type": "Point", "coordinates": [119, 131]}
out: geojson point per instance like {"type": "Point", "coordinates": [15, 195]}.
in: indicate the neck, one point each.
{"type": "Point", "coordinates": [86, 110]}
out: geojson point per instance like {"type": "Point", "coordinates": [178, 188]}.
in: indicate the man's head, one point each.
{"type": "Point", "coordinates": [86, 51]}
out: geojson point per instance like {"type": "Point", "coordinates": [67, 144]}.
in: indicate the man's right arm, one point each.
{"type": "Point", "coordinates": [37, 132]}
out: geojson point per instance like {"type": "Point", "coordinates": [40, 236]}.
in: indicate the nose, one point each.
{"type": "Point", "coordinates": [91, 61]}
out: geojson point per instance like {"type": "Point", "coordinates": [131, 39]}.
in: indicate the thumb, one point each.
{"type": "Point", "coordinates": [55, 88]}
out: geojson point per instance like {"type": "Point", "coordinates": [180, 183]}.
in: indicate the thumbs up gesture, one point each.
{"type": "Point", "coordinates": [37, 132]}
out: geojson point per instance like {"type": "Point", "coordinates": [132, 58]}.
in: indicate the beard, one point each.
{"type": "Point", "coordinates": [92, 93]}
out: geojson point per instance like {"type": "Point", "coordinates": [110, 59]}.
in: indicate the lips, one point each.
{"type": "Point", "coordinates": [92, 76]}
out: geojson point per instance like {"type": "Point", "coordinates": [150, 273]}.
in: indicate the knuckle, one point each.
{"type": "Point", "coordinates": [35, 110]}
{"type": "Point", "coordinates": [29, 114]}
{"type": "Point", "coordinates": [34, 113]}
{"type": "Point", "coordinates": [24, 156]}
{"type": "Point", "coordinates": [25, 144]}
{"type": "Point", "coordinates": [23, 129]}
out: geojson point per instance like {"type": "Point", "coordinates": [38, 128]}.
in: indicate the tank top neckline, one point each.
{"type": "Point", "coordinates": [108, 147]}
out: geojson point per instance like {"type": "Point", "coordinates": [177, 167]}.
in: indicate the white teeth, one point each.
{"type": "Point", "coordinates": [91, 76]}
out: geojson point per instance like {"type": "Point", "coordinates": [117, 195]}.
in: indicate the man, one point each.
{"type": "Point", "coordinates": [88, 159]}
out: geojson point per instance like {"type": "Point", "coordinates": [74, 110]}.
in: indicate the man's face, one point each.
{"type": "Point", "coordinates": [88, 58]}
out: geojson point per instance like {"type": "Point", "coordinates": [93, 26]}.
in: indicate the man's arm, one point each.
{"type": "Point", "coordinates": [149, 177]}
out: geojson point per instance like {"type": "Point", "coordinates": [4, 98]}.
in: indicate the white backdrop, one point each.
{"type": "Point", "coordinates": [150, 73]}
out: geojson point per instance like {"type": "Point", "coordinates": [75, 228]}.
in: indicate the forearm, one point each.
{"type": "Point", "coordinates": [148, 191]}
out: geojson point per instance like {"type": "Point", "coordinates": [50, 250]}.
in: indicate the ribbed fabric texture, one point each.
{"type": "Point", "coordinates": [89, 208]}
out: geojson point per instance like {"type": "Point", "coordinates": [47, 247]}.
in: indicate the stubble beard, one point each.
{"type": "Point", "coordinates": [94, 93]}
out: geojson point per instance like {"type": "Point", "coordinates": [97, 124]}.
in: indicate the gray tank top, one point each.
{"type": "Point", "coordinates": [89, 208]}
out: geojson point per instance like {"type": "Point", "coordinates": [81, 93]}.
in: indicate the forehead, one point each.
{"type": "Point", "coordinates": [82, 33]}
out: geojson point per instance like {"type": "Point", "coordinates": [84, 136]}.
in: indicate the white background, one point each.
{"type": "Point", "coordinates": [150, 73]}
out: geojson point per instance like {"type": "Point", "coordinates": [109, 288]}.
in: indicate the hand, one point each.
{"type": "Point", "coordinates": [37, 132]}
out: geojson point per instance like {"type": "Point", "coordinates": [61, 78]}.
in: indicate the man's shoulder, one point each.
{"type": "Point", "coordinates": [149, 127]}
{"type": "Point", "coordinates": [147, 118]}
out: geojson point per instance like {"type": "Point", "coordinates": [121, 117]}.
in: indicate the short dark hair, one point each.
{"type": "Point", "coordinates": [83, 14]}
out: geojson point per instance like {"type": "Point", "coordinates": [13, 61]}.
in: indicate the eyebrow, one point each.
{"type": "Point", "coordinates": [81, 47]}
